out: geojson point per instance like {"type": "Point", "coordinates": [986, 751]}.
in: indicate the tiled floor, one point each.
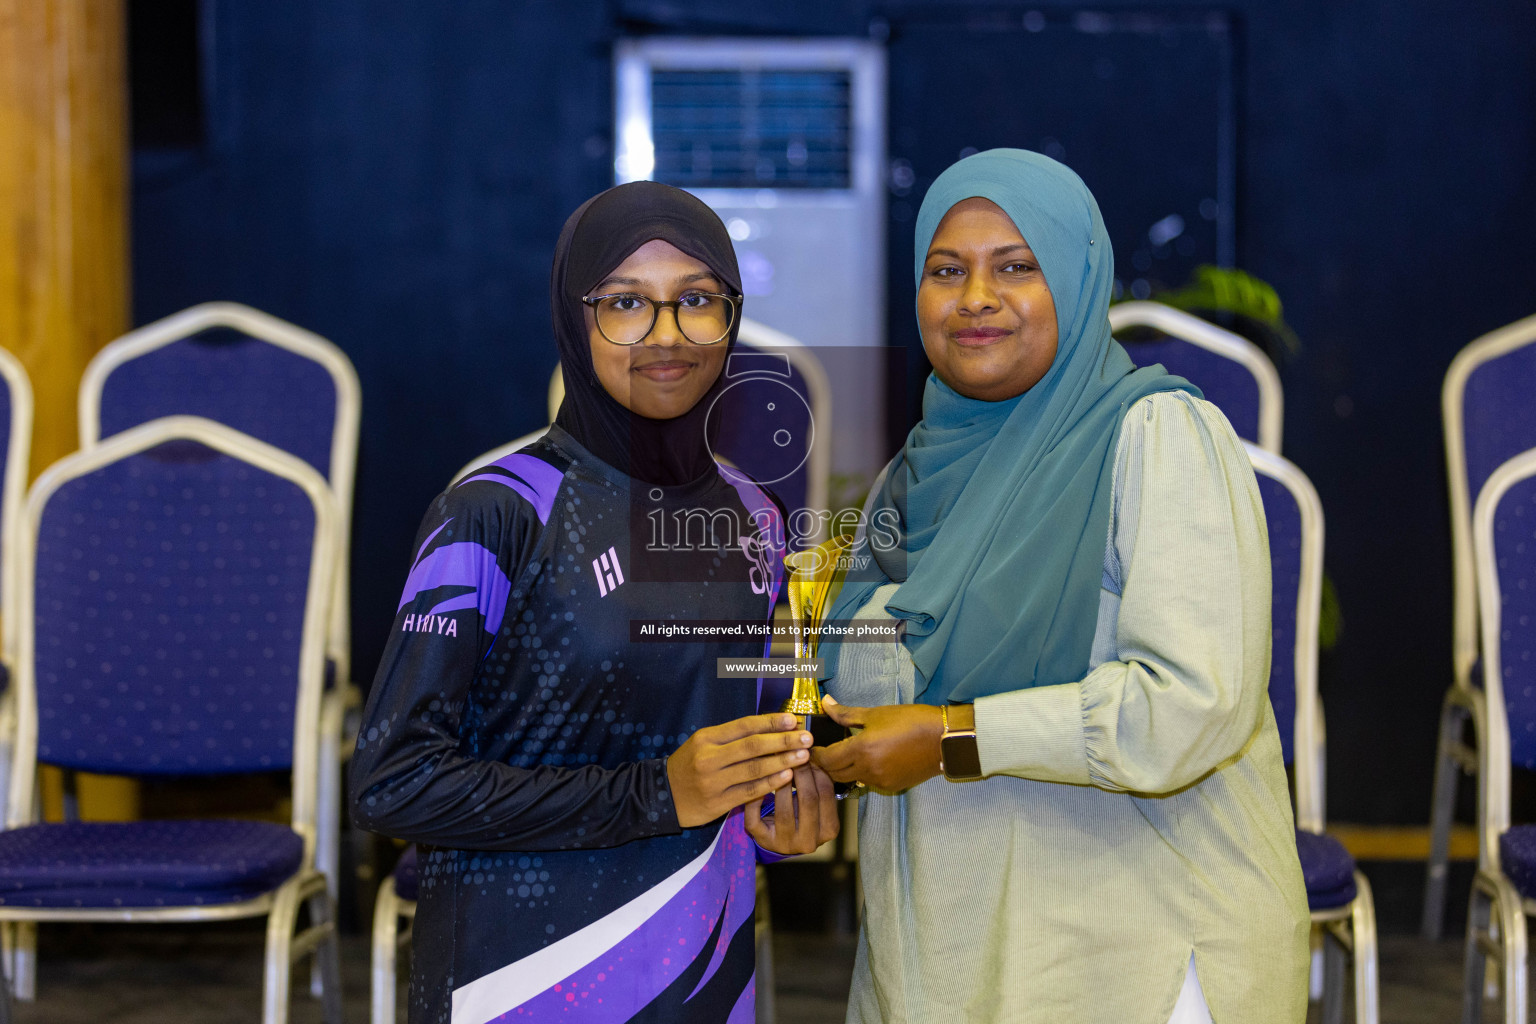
{"type": "Point", "coordinates": [211, 975]}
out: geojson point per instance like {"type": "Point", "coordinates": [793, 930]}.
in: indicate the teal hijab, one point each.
{"type": "Point", "coordinates": [1003, 507]}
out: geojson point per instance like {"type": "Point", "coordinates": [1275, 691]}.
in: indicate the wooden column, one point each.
{"type": "Point", "coordinates": [64, 282]}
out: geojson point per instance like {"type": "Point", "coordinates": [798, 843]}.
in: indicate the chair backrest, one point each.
{"type": "Point", "coordinates": [1234, 373]}
{"type": "Point", "coordinates": [244, 368]}
{"type": "Point", "coordinates": [1488, 418]}
{"type": "Point", "coordinates": [15, 456]}
{"type": "Point", "coordinates": [1294, 516]}
{"type": "Point", "coordinates": [775, 421]}
{"type": "Point", "coordinates": [173, 584]}
{"type": "Point", "coordinates": [1504, 562]}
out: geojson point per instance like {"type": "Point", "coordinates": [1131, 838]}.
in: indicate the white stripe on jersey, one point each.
{"type": "Point", "coordinates": [507, 988]}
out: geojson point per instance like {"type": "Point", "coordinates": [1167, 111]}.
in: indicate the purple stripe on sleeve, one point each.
{"type": "Point", "coordinates": [520, 487]}
{"type": "Point", "coordinates": [539, 481]}
{"type": "Point", "coordinates": [464, 564]}
{"type": "Point", "coordinates": [430, 538]}
{"type": "Point", "coordinates": [454, 604]}
{"type": "Point", "coordinates": [621, 981]}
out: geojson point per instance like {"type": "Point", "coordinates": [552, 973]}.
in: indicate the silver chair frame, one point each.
{"type": "Point", "coordinates": [1496, 915]}
{"type": "Point", "coordinates": [1347, 932]}
{"type": "Point", "coordinates": [1186, 327]}
{"type": "Point", "coordinates": [13, 492]}
{"type": "Point", "coordinates": [308, 884]}
{"type": "Point", "coordinates": [390, 911]}
{"type": "Point", "coordinates": [1463, 701]}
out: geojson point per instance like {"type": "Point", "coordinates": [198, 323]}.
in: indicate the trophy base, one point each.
{"type": "Point", "coordinates": [801, 707]}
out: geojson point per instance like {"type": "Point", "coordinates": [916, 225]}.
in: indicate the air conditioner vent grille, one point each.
{"type": "Point", "coordinates": [752, 128]}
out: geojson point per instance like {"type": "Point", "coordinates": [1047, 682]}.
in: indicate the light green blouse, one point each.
{"type": "Point", "coordinates": [1127, 819]}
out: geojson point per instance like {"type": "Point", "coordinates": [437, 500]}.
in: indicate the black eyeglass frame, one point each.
{"type": "Point", "coordinates": [657, 305]}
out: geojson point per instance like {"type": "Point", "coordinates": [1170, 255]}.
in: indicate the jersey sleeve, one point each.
{"type": "Point", "coordinates": [1187, 686]}
{"type": "Point", "coordinates": [414, 775]}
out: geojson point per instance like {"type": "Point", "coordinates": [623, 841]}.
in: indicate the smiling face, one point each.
{"type": "Point", "coordinates": [985, 312]}
{"type": "Point", "coordinates": [664, 375]}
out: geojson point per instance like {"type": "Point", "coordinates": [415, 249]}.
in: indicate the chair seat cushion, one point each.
{"type": "Point", "coordinates": [1517, 856]}
{"type": "Point", "coordinates": [1328, 869]}
{"type": "Point", "coordinates": [145, 863]}
{"type": "Point", "coordinates": [405, 874]}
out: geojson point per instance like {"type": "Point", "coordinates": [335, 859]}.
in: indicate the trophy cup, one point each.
{"type": "Point", "coordinates": [813, 574]}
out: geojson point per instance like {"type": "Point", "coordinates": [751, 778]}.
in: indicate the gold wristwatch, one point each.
{"type": "Point", "coordinates": [959, 757]}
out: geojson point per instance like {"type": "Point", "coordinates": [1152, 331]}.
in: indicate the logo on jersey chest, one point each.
{"type": "Point", "coordinates": [609, 575]}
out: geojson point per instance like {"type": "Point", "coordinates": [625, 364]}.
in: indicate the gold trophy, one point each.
{"type": "Point", "coordinates": [815, 575]}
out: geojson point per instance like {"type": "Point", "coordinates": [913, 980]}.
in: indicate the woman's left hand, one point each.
{"type": "Point", "coordinates": [804, 815]}
{"type": "Point", "coordinates": [897, 747]}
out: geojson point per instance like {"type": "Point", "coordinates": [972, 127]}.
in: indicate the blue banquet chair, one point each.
{"type": "Point", "coordinates": [1488, 418]}
{"type": "Point", "coordinates": [172, 593]}
{"type": "Point", "coordinates": [1504, 710]}
{"type": "Point", "coordinates": [280, 384]}
{"type": "Point", "coordinates": [1343, 912]}
{"type": "Point", "coordinates": [1233, 372]}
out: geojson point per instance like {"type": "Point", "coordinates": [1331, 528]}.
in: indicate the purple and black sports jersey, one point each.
{"type": "Point", "coordinates": [519, 736]}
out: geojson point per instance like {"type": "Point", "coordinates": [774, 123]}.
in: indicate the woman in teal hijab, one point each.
{"type": "Point", "coordinates": [1080, 810]}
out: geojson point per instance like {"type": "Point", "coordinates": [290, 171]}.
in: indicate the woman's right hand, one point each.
{"type": "Point", "coordinates": [721, 767]}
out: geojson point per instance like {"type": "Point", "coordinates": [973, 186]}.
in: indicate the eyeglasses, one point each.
{"type": "Point", "coordinates": [704, 318]}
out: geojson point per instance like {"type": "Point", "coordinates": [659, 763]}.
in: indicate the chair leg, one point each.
{"type": "Point", "coordinates": [328, 811]}
{"type": "Point", "coordinates": [24, 962]}
{"type": "Point", "coordinates": [7, 943]}
{"type": "Point", "coordinates": [1442, 811]}
{"type": "Point", "coordinates": [1474, 970]}
{"type": "Point", "coordinates": [328, 808]}
{"type": "Point", "coordinates": [322, 914]}
{"type": "Point", "coordinates": [386, 926]}
{"type": "Point", "coordinates": [1334, 955]}
{"type": "Point", "coordinates": [1362, 926]}
{"type": "Point", "coordinates": [1512, 927]}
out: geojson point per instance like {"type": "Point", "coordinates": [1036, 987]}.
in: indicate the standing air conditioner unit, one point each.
{"type": "Point", "coordinates": [785, 140]}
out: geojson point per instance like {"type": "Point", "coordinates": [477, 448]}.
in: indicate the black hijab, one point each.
{"type": "Point", "coordinates": [602, 233]}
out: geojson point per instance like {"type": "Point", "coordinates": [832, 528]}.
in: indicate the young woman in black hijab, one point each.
{"type": "Point", "coordinates": [587, 802]}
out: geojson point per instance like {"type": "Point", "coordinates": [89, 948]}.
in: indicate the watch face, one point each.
{"type": "Point", "coordinates": [961, 756]}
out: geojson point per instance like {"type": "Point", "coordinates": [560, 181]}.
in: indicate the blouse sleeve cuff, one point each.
{"type": "Point", "coordinates": [1034, 734]}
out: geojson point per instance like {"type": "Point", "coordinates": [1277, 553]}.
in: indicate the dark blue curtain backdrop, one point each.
{"type": "Point", "coordinates": [393, 175]}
